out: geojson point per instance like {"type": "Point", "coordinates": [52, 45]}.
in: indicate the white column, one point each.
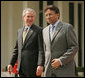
{"type": "Point", "coordinates": [59, 4]}
{"type": "Point", "coordinates": [7, 33]}
{"type": "Point", "coordinates": [25, 4]}
{"type": "Point", "coordinates": [44, 19]}
{"type": "Point", "coordinates": [76, 26]}
{"type": "Point", "coordinates": [64, 10]}
{"type": "Point", "coordinates": [4, 35]}
{"type": "Point", "coordinates": [10, 31]}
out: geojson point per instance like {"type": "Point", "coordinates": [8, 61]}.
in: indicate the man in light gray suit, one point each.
{"type": "Point", "coordinates": [60, 45]}
{"type": "Point", "coordinates": [29, 48]}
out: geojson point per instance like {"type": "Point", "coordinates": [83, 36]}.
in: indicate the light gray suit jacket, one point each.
{"type": "Point", "coordinates": [64, 46]}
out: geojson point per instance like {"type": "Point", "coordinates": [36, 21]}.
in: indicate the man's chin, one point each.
{"type": "Point", "coordinates": [49, 22]}
{"type": "Point", "coordinates": [29, 24]}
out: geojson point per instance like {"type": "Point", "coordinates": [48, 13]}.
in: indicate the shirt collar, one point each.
{"type": "Point", "coordinates": [56, 23]}
{"type": "Point", "coordinates": [25, 27]}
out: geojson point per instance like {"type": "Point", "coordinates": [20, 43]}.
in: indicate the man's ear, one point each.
{"type": "Point", "coordinates": [58, 15]}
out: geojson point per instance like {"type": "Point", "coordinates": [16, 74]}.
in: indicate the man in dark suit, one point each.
{"type": "Point", "coordinates": [29, 48]}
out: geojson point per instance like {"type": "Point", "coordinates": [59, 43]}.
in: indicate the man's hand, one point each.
{"type": "Point", "coordinates": [39, 70]}
{"type": "Point", "coordinates": [55, 63]}
{"type": "Point", "coordinates": [9, 69]}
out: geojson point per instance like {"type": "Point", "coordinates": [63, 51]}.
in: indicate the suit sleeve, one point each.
{"type": "Point", "coordinates": [72, 46]}
{"type": "Point", "coordinates": [14, 54]}
{"type": "Point", "coordinates": [41, 56]}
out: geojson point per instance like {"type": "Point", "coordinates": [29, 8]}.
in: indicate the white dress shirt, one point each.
{"type": "Point", "coordinates": [52, 28]}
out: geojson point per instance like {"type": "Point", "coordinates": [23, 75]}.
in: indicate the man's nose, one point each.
{"type": "Point", "coordinates": [30, 18]}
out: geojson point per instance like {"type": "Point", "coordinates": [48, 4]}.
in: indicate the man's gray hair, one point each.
{"type": "Point", "coordinates": [28, 10]}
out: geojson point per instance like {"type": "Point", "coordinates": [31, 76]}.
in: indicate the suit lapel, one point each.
{"type": "Point", "coordinates": [20, 39]}
{"type": "Point", "coordinates": [30, 32]}
{"type": "Point", "coordinates": [57, 30]}
{"type": "Point", "coordinates": [48, 35]}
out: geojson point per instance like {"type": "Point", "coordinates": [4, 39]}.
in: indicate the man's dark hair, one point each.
{"type": "Point", "coordinates": [52, 7]}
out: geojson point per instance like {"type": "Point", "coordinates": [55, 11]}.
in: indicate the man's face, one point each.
{"type": "Point", "coordinates": [51, 16]}
{"type": "Point", "coordinates": [29, 18]}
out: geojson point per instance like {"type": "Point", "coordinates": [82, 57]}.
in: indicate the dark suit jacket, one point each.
{"type": "Point", "coordinates": [31, 53]}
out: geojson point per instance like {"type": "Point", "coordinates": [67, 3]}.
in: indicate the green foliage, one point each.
{"type": "Point", "coordinates": [80, 69]}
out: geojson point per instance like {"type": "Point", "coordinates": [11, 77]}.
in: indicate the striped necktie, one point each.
{"type": "Point", "coordinates": [52, 31]}
{"type": "Point", "coordinates": [24, 34]}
